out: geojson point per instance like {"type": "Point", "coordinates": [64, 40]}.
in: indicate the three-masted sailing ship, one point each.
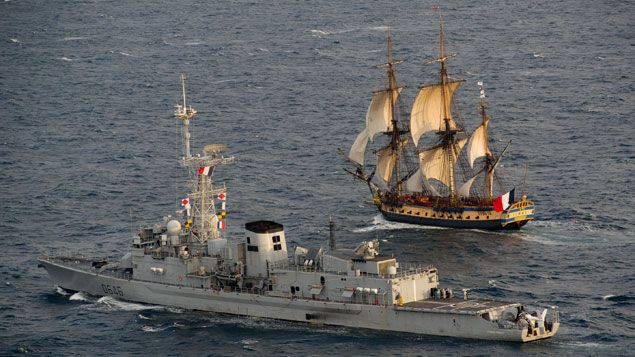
{"type": "Point", "coordinates": [419, 183]}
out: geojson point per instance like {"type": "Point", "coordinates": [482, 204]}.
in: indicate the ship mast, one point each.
{"type": "Point", "coordinates": [202, 216]}
{"type": "Point", "coordinates": [448, 134]}
{"type": "Point", "coordinates": [489, 160]}
{"type": "Point", "coordinates": [395, 141]}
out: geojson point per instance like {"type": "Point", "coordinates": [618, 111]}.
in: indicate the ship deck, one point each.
{"type": "Point", "coordinates": [457, 306]}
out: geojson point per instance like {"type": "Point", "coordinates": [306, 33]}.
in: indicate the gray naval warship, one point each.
{"type": "Point", "coordinates": [187, 262]}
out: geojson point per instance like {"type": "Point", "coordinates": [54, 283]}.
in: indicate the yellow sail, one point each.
{"type": "Point", "coordinates": [378, 120]}
{"type": "Point", "coordinates": [415, 182]}
{"type": "Point", "coordinates": [436, 162]}
{"type": "Point", "coordinates": [386, 160]}
{"type": "Point", "coordinates": [477, 147]}
{"type": "Point", "coordinates": [431, 108]}
{"type": "Point", "coordinates": [464, 191]}
{"type": "Point", "coordinates": [379, 114]}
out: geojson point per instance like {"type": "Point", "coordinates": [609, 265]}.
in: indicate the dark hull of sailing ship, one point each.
{"type": "Point", "coordinates": [430, 194]}
{"type": "Point", "coordinates": [466, 217]}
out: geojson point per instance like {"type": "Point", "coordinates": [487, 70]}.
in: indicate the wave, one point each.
{"type": "Point", "coordinates": [381, 224]}
{"type": "Point", "coordinates": [147, 328]}
{"type": "Point", "coordinates": [66, 59]}
{"type": "Point", "coordinates": [320, 33]}
{"type": "Point", "coordinates": [14, 40]}
{"type": "Point", "coordinates": [61, 291]}
{"type": "Point", "coordinates": [618, 298]}
{"type": "Point", "coordinates": [80, 296]}
{"type": "Point", "coordinates": [77, 38]}
{"type": "Point", "coordinates": [115, 304]}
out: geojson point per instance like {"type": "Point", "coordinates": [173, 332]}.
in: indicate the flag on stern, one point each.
{"type": "Point", "coordinates": [222, 196]}
{"type": "Point", "coordinates": [502, 202]}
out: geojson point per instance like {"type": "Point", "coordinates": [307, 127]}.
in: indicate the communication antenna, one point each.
{"type": "Point", "coordinates": [331, 234]}
{"type": "Point", "coordinates": [185, 113]}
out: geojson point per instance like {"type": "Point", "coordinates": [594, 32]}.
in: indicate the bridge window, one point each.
{"type": "Point", "coordinates": [252, 248]}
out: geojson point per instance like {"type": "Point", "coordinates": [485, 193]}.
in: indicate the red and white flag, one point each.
{"type": "Point", "coordinates": [205, 170]}
{"type": "Point", "coordinates": [221, 224]}
{"type": "Point", "coordinates": [185, 202]}
{"type": "Point", "coordinates": [502, 202]}
{"type": "Point", "coordinates": [222, 196]}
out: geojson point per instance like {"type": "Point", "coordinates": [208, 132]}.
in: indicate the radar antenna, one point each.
{"type": "Point", "coordinates": [185, 113]}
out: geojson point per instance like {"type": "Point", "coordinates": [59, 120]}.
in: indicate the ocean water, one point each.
{"type": "Point", "coordinates": [89, 148]}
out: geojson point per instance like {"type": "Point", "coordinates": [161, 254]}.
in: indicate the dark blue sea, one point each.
{"type": "Point", "coordinates": [89, 149]}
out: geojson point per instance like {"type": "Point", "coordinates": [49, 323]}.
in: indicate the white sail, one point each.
{"type": "Point", "coordinates": [378, 120]}
{"type": "Point", "coordinates": [477, 146]}
{"type": "Point", "coordinates": [436, 162]}
{"type": "Point", "coordinates": [358, 149]}
{"type": "Point", "coordinates": [386, 159]}
{"type": "Point", "coordinates": [415, 182]}
{"type": "Point", "coordinates": [464, 191]}
{"type": "Point", "coordinates": [379, 114]}
{"type": "Point", "coordinates": [430, 108]}
{"type": "Point", "coordinates": [429, 187]}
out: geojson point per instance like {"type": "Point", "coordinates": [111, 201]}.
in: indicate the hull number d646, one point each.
{"type": "Point", "coordinates": [112, 290]}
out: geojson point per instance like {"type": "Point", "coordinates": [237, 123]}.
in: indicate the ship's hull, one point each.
{"type": "Point", "coordinates": [514, 217]}
{"type": "Point", "coordinates": [378, 317]}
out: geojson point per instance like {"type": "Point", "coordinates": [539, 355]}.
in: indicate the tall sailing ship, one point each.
{"type": "Point", "coordinates": [434, 183]}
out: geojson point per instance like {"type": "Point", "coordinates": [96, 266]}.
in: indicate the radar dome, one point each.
{"type": "Point", "coordinates": [174, 227]}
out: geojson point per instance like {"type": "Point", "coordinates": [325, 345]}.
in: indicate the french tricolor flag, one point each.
{"type": "Point", "coordinates": [205, 170]}
{"type": "Point", "coordinates": [502, 202]}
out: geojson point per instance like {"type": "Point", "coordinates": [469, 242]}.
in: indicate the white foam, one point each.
{"type": "Point", "coordinates": [115, 304]}
{"type": "Point", "coordinates": [61, 291]}
{"type": "Point", "coordinates": [539, 55]}
{"type": "Point", "coordinates": [587, 344]}
{"type": "Point", "coordinates": [147, 328]}
{"type": "Point", "coordinates": [78, 297]}
{"type": "Point", "coordinates": [320, 32]}
{"type": "Point", "coordinates": [66, 59]}
{"type": "Point", "coordinates": [381, 224]}
{"type": "Point", "coordinates": [15, 40]}
{"type": "Point", "coordinates": [606, 297]}
{"type": "Point", "coordinates": [174, 310]}
{"type": "Point", "coordinates": [74, 38]}
{"type": "Point", "coordinates": [143, 317]}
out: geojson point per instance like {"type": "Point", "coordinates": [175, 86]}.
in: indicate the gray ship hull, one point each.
{"type": "Point", "coordinates": [405, 318]}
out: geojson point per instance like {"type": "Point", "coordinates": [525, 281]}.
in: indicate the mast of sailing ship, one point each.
{"type": "Point", "coordinates": [489, 159]}
{"type": "Point", "coordinates": [381, 118]}
{"type": "Point", "coordinates": [478, 147]}
{"type": "Point", "coordinates": [431, 112]}
{"type": "Point", "coordinates": [396, 145]}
